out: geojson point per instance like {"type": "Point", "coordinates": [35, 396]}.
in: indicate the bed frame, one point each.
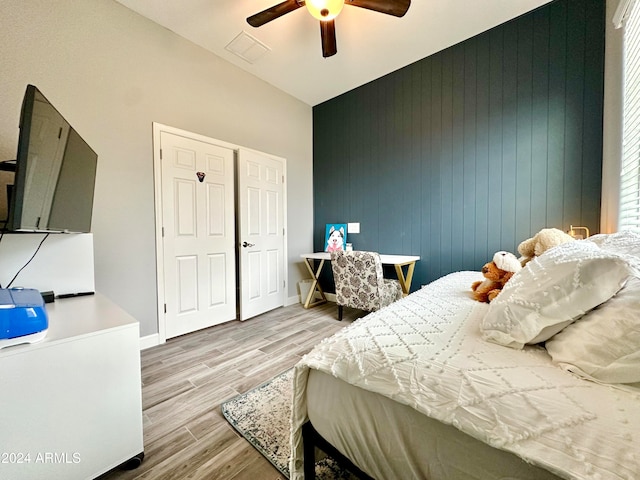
{"type": "Point", "coordinates": [312, 440]}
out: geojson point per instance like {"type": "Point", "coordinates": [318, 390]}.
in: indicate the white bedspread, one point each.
{"type": "Point", "coordinates": [425, 351]}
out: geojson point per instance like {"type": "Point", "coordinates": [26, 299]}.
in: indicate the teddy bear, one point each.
{"type": "Point", "coordinates": [497, 272]}
{"type": "Point", "coordinates": [541, 242]}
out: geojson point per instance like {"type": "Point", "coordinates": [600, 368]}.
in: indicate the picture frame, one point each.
{"type": "Point", "coordinates": [335, 237]}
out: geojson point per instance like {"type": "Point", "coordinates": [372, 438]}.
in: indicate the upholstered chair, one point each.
{"type": "Point", "coordinates": [359, 282]}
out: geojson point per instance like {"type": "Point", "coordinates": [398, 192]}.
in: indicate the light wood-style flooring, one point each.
{"type": "Point", "coordinates": [186, 380]}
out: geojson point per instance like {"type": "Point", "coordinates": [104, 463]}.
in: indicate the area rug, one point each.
{"type": "Point", "coordinates": [262, 417]}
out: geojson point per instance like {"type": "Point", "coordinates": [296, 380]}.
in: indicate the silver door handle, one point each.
{"type": "Point", "coordinates": [247, 244]}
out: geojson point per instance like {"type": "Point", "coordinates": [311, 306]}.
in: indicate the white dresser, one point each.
{"type": "Point", "coordinates": [70, 405]}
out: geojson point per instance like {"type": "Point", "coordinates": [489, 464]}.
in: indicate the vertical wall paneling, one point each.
{"type": "Point", "coordinates": [574, 113]}
{"type": "Point", "coordinates": [509, 136]}
{"type": "Point", "coordinates": [496, 135]}
{"type": "Point", "coordinates": [557, 94]}
{"type": "Point", "coordinates": [445, 90]}
{"type": "Point", "coordinates": [524, 125]}
{"type": "Point", "coordinates": [592, 120]}
{"type": "Point", "coordinates": [471, 200]}
{"type": "Point", "coordinates": [539, 112]}
{"type": "Point", "coordinates": [473, 149]}
{"type": "Point", "coordinates": [432, 173]}
{"type": "Point", "coordinates": [483, 186]}
{"type": "Point", "coordinates": [457, 110]}
{"type": "Point", "coordinates": [416, 119]}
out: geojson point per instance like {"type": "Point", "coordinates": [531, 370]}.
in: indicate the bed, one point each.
{"type": "Point", "coordinates": [543, 383]}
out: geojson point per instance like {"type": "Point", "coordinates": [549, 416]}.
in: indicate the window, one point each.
{"type": "Point", "coordinates": [630, 168]}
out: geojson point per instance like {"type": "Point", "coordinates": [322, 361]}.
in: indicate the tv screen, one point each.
{"type": "Point", "coordinates": [55, 172]}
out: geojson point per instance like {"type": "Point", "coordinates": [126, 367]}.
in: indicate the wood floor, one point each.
{"type": "Point", "coordinates": [186, 380]}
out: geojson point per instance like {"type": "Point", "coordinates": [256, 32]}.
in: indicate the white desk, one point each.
{"type": "Point", "coordinates": [398, 261]}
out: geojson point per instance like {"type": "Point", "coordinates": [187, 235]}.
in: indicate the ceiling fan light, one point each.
{"type": "Point", "coordinates": [324, 9]}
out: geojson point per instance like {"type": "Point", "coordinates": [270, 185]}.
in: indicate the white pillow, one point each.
{"type": "Point", "coordinates": [552, 291]}
{"type": "Point", "coordinates": [625, 243]}
{"type": "Point", "coordinates": [604, 345]}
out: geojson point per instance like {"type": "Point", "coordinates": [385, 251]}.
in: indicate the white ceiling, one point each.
{"type": "Point", "coordinates": [370, 44]}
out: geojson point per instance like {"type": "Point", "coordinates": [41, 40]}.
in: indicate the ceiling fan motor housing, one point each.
{"type": "Point", "coordinates": [326, 11]}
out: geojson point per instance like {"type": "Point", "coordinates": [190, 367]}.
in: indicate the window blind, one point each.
{"type": "Point", "coordinates": [630, 170]}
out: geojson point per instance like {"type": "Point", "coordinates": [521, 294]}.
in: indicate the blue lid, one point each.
{"type": "Point", "coordinates": [22, 312]}
{"type": "Point", "coordinates": [23, 297]}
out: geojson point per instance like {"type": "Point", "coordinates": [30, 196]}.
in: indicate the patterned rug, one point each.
{"type": "Point", "coordinates": [262, 416]}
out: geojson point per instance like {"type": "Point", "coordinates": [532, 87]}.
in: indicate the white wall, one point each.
{"type": "Point", "coordinates": [111, 73]}
{"type": "Point", "coordinates": [612, 123]}
{"type": "Point", "coordinates": [63, 265]}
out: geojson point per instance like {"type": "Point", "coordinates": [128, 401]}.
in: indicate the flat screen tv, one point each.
{"type": "Point", "coordinates": [54, 174]}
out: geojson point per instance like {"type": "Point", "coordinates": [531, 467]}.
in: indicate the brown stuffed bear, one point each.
{"type": "Point", "coordinates": [496, 273]}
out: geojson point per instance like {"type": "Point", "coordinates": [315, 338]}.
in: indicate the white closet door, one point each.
{"type": "Point", "coordinates": [261, 232]}
{"type": "Point", "coordinates": [199, 233]}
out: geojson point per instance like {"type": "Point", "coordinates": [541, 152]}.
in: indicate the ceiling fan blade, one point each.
{"type": "Point", "coordinates": [397, 8]}
{"type": "Point", "coordinates": [272, 13]}
{"type": "Point", "coordinates": [328, 34]}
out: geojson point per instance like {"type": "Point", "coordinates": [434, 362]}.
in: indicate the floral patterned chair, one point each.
{"type": "Point", "coordinates": [359, 282]}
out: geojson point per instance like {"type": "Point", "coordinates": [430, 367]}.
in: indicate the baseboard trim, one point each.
{"type": "Point", "coordinates": [292, 300]}
{"type": "Point", "coordinates": [331, 297]}
{"type": "Point", "coordinates": [149, 341]}
{"type": "Point", "coordinates": [154, 340]}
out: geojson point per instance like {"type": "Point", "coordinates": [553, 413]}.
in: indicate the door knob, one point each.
{"type": "Point", "coordinates": [247, 244]}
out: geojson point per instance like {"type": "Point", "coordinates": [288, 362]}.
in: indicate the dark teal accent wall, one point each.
{"type": "Point", "coordinates": [473, 149]}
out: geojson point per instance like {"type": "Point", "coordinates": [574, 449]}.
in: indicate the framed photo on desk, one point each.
{"type": "Point", "coordinates": [335, 237]}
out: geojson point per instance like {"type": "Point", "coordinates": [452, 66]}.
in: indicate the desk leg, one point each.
{"type": "Point", "coordinates": [315, 286]}
{"type": "Point", "coordinates": [405, 283]}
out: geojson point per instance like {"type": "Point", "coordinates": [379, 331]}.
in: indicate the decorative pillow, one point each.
{"type": "Point", "coordinates": [552, 291]}
{"type": "Point", "coordinates": [604, 345]}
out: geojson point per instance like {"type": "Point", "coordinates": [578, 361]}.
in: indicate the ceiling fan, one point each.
{"type": "Point", "coordinates": [326, 11]}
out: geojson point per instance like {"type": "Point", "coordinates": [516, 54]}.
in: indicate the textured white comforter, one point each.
{"type": "Point", "coordinates": [425, 351]}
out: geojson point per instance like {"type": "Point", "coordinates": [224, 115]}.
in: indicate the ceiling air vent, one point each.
{"type": "Point", "coordinates": [247, 47]}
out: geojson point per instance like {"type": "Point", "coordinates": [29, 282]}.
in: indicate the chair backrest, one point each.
{"type": "Point", "coordinates": [358, 278]}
